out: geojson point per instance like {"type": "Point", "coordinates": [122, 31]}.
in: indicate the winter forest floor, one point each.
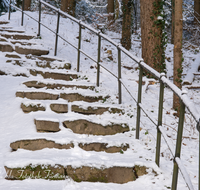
{"type": "Point", "coordinates": [13, 127]}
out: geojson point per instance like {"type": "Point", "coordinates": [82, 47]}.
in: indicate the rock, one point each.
{"type": "Point", "coordinates": [38, 144]}
{"type": "Point", "coordinates": [29, 108]}
{"type": "Point", "coordinates": [86, 127]}
{"type": "Point", "coordinates": [59, 108]}
{"type": "Point", "coordinates": [47, 126]}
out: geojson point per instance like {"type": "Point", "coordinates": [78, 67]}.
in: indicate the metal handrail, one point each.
{"type": "Point", "coordinates": [185, 102]}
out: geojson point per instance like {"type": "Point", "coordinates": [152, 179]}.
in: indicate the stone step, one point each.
{"type": "Point", "coordinates": [27, 108]}
{"type": "Point", "coordinates": [11, 30]}
{"type": "Point", "coordinates": [71, 97]}
{"type": "Point", "coordinates": [24, 42]}
{"type": "Point", "coordinates": [53, 75]}
{"type": "Point", "coordinates": [82, 126]}
{"type": "Point", "coordinates": [95, 110]}
{"type": "Point", "coordinates": [37, 95]}
{"type": "Point", "coordinates": [2, 72]}
{"type": "Point", "coordinates": [6, 47]}
{"type": "Point", "coordinates": [36, 84]}
{"type": "Point", "coordinates": [115, 174]}
{"type": "Point", "coordinates": [4, 22]}
{"type": "Point", "coordinates": [26, 50]}
{"type": "Point", "coordinates": [59, 108]}
{"type": "Point", "coordinates": [39, 144]}
{"type": "Point", "coordinates": [12, 55]}
{"type": "Point", "coordinates": [47, 126]}
{"type": "Point", "coordinates": [44, 58]}
{"type": "Point", "coordinates": [3, 39]}
{"type": "Point", "coordinates": [17, 36]}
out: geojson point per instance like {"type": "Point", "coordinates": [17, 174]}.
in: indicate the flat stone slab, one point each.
{"type": "Point", "coordinates": [47, 172]}
{"type": "Point", "coordinates": [37, 95]}
{"type": "Point", "coordinates": [86, 127]}
{"type": "Point", "coordinates": [6, 47]}
{"type": "Point", "coordinates": [48, 64]}
{"type": "Point", "coordinates": [97, 110]}
{"type": "Point", "coordinates": [12, 56]}
{"type": "Point", "coordinates": [98, 147]}
{"type": "Point", "coordinates": [26, 51]}
{"type": "Point", "coordinates": [36, 84]}
{"type": "Point", "coordinates": [38, 144]}
{"type": "Point", "coordinates": [32, 108]}
{"type": "Point", "coordinates": [17, 36]}
{"type": "Point", "coordinates": [46, 126]}
{"type": "Point", "coordinates": [59, 108]}
{"type": "Point", "coordinates": [115, 174]}
{"type": "Point", "coordinates": [71, 97]}
{"type": "Point", "coordinates": [57, 76]}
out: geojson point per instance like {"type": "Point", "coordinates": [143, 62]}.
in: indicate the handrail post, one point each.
{"type": "Point", "coordinates": [9, 10]}
{"type": "Point", "coordinates": [160, 112]}
{"type": "Point", "coordinates": [22, 21]}
{"type": "Point", "coordinates": [178, 144]}
{"type": "Point", "coordinates": [39, 21]}
{"type": "Point", "coordinates": [138, 102]}
{"type": "Point", "coordinates": [198, 129]}
{"type": "Point", "coordinates": [57, 30]}
{"type": "Point", "coordinates": [98, 59]}
{"type": "Point", "coordinates": [79, 47]}
{"type": "Point", "coordinates": [119, 75]}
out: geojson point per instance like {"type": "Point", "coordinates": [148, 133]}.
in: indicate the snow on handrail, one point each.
{"type": "Point", "coordinates": [184, 173]}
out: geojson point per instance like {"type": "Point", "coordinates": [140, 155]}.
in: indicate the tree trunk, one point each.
{"type": "Point", "coordinates": [151, 30]}
{"type": "Point", "coordinates": [172, 29]}
{"type": "Point", "coordinates": [68, 6]}
{"type": "Point", "coordinates": [116, 9]}
{"type": "Point", "coordinates": [126, 24]}
{"type": "Point", "coordinates": [196, 11]}
{"type": "Point", "coordinates": [110, 10]}
{"type": "Point", "coordinates": [27, 5]}
{"type": "Point", "coordinates": [178, 31]}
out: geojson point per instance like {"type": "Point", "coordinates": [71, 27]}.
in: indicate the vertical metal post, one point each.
{"type": "Point", "coordinates": [9, 10]}
{"type": "Point", "coordinates": [178, 145]}
{"type": "Point", "coordinates": [79, 47]}
{"type": "Point", "coordinates": [139, 101]}
{"type": "Point", "coordinates": [119, 75]}
{"type": "Point", "coordinates": [57, 30]}
{"type": "Point", "coordinates": [22, 21]}
{"type": "Point", "coordinates": [198, 128]}
{"type": "Point", "coordinates": [39, 21]}
{"type": "Point", "coordinates": [98, 59]}
{"type": "Point", "coordinates": [160, 112]}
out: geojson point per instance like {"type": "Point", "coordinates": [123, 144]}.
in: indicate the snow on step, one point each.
{"type": "Point", "coordinates": [82, 126]}
{"type": "Point", "coordinates": [53, 85]}
{"type": "Point", "coordinates": [2, 29]}
{"type": "Point", "coordinates": [54, 75]}
{"type": "Point", "coordinates": [34, 50]}
{"type": "Point", "coordinates": [16, 36]}
{"type": "Point", "coordinates": [38, 144]}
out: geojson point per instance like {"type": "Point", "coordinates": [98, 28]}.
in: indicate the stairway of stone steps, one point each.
{"type": "Point", "coordinates": [72, 137]}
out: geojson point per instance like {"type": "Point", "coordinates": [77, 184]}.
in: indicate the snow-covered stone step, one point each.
{"type": "Point", "coordinates": [115, 174]}
{"type": "Point", "coordinates": [47, 125]}
{"type": "Point", "coordinates": [54, 75]}
{"type": "Point", "coordinates": [23, 42]}
{"type": "Point", "coordinates": [31, 50]}
{"type": "Point", "coordinates": [3, 22]}
{"type": "Point", "coordinates": [94, 110]}
{"type": "Point", "coordinates": [16, 36]}
{"type": "Point", "coordinates": [2, 29]}
{"type": "Point", "coordinates": [12, 55]}
{"type": "Point", "coordinates": [6, 47]}
{"type": "Point", "coordinates": [82, 126]}
{"type": "Point", "coordinates": [39, 144]}
{"type": "Point", "coordinates": [27, 108]}
{"type": "Point", "coordinates": [193, 87]}
{"type": "Point", "coordinates": [47, 85]}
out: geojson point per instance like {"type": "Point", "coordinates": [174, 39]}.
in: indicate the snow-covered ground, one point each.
{"type": "Point", "coordinates": [15, 126]}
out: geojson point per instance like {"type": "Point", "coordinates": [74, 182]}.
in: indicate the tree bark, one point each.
{"type": "Point", "coordinates": [27, 5]}
{"type": "Point", "coordinates": [178, 31]}
{"type": "Point", "coordinates": [68, 6]}
{"type": "Point", "coordinates": [152, 49]}
{"type": "Point", "coordinates": [126, 24]}
{"type": "Point", "coordinates": [196, 11]}
{"type": "Point", "coordinates": [172, 29]}
{"type": "Point", "coordinates": [110, 10]}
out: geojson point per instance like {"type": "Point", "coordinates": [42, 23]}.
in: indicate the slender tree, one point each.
{"type": "Point", "coordinates": [153, 39]}
{"type": "Point", "coordinates": [110, 10]}
{"type": "Point", "coordinates": [27, 5]}
{"type": "Point", "coordinates": [68, 6]}
{"type": "Point", "coordinates": [196, 11]}
{"type": "Point", "coordinates": [178, 57]}
{"type": "Point", "coordinates": [172, 29]}
{"type": "Point", "coordinates": [126, 24]}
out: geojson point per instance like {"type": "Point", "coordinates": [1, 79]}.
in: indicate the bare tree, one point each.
{"type": "Point", "coordinates": [126, 24]}
{"type": "Point", "coordinates": [110, 10]}
{"type": "Point", "coordinates": [68, 6]}
{"type": "Point", "coordinates": [196, 11]}
{"type": "Point", "coordinates": [178, 32]}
